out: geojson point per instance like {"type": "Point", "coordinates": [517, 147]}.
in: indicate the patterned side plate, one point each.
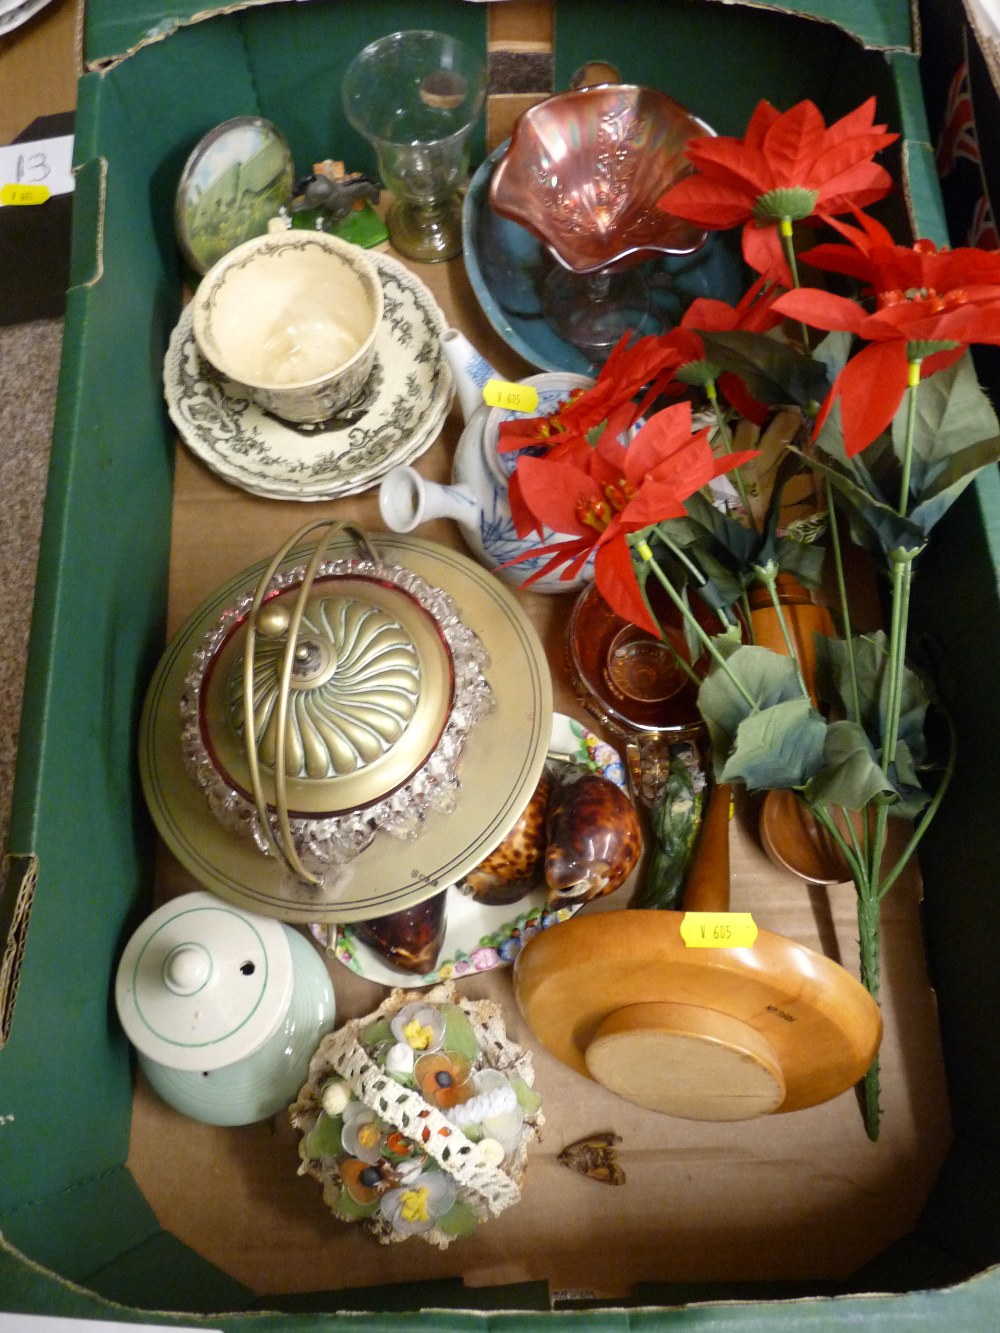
{"type": "Point", "coordinates": [397, 418]}
{"type": "Point", "coordinates": [479, 938]}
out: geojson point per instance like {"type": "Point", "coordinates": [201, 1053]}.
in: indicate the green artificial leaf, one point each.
{"type": "Point", "coordinates": [833, 353]}
{"type": "Point", "coordinates": [781, 746]}
{"type": "Point", "coordinates": [709, 527]}
{"type": "Point", "coordinates": [912, 797]}
{"type": "Point", "coordinates": [376, 1034]}
{"type": "Point", "coordinates": [850, 776]}
{"type": "Point", "coordinates": [866, 510]}
{"type": "Point", "coordinates": [768, 678]}
{"type": "Point", "coordinates": [946, 485]}
{"type": "Point", "coordinates": [871, 660]}
{"type": "Point", "coordinates": [459, 1220]}
{"type": "Point", "coordinates": [905, 766]}
{"type": "Point", "coordinates": [912, 717]}
{"type": "Point", "coordinates": [773, 371]}
{"type": "Point", "coordinates": [459, 1036]}
{"type": "Point", "coordinates": [349, 1210]}
{"type": "Point", "coordinates": [527, 1098]}
{"type": "Point", "coordinates": [324, 1139]}
{"type": "Point", "coordinates": [951, 412]}
{"type": "Point", "coordinates": [803, 559]}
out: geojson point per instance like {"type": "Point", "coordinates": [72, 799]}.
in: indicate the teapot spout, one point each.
{"type": "Point", "coordinates": [406, 499]}
{"type": "Point", "coordinates": [469, 368]}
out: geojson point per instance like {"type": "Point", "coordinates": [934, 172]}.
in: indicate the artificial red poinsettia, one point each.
{"type": "Point", "coordinates": [789, 166]}
{"type": "Point", "coordinates": [611, 403]}
{"type": "Point", "coordinates": [618, 489]}
{"type": "Point", "coordinates": [929, 306]}
{"type": "Point", "coordinates": [631, 366]}
{"type": "Point", "coordinates": [753, 313]}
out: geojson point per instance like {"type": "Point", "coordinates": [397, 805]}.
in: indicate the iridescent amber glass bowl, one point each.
{"type": "Point", "coordinates": [584, 171]}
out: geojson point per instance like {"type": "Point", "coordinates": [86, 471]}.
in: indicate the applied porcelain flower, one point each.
{"type": "Point", "coordinates": [419, 1026]}
{"type": "Point", "coordinates": [362, 1135]}
{"type": "Point", "coordinates": [418, 1204]}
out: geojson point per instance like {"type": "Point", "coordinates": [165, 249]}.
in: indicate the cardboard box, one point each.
{"type": "Point", "coordinates": [113, 1207]}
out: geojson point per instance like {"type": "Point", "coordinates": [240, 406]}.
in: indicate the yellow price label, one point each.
{"type": "Point", "coordinates": [23, 194]}
{"type": "Point", "coordinates": [514, 397]}
{"type": "Point", "coordinates": [718, 930]}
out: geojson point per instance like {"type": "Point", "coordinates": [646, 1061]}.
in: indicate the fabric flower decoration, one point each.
{"type": "Point", "coordinates": [929, 306]}
{"type": "Point", "coordinates": [443, 1078]}
{"type": "Point", "coordinates": [418, 1204]}
{"type": "Point", "coordinates": [616, 490]}
{"type": "Point", "coordinates": [787, 167]}
{"type": "Point", "coordinates": [362, 1180]}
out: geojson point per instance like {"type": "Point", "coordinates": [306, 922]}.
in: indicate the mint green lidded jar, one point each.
{"type": "Point", "coordinates": [224, 1008]}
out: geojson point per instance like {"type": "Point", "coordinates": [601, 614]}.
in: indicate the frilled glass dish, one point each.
{"type": "Point", "coordinates": [344, 733]}
{"type": "Point", "coordinates": [385, 687]}
{"type": "Point", "coordinates": [585, 169]}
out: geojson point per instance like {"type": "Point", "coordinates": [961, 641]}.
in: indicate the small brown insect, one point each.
{"type": "Point", "coordinates": [594, 1157]}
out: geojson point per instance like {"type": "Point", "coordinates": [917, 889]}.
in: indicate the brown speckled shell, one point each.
{"type": "Point", "coordinates": [410, 940]}
{"type": "Point", "coordinates": [594, 838]}
{"type": "Point", "coordinates": [511, 870]}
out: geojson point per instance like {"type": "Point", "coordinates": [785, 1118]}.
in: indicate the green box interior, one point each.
{"type": "Point", "coordinates": [78, 1233]}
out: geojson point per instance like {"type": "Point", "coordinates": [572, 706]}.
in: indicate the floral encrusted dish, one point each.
{"type": "Point", "coordinates": [416, 1119]}
{"type": "Point", "coordinates": [479, 938]}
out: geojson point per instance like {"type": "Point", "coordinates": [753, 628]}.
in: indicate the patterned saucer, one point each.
{"type": "Point", "coordinates": [397, 418]}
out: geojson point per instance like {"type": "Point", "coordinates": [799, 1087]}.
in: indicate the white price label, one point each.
{"type": "Point", "coordinates": [31, 172]}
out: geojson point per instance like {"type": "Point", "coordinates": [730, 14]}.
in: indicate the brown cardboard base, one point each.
{"type": "Point", "coordinates": [804, 1196]}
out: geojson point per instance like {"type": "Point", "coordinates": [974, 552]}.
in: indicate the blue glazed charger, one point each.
{"type": "Point", "coordinates": [507, 265]}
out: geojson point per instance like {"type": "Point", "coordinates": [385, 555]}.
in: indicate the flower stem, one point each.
{"type": "Point", "coordinates": [712, 394]}
{"type": "Point", "coordinates": [913, 383]}
{"type": "Point", "coordinates": [645, 553]}
{"type": "Point", "coordinates": [786, 232]}
{"type": "Point", "coordinates": [872, 887]}
{"type": "Point", "coordinates": [845, 610]}
{"type": "Point", "coordinates": [767, 575]}
{"type": "Point", "coordinates": [869, 929]}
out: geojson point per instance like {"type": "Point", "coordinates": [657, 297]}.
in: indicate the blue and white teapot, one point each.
{"type": "Point", "coordinates": [477, 499]}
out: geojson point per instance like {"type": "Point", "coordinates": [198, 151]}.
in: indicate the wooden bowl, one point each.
{"type": "Point", "coordinates": [700, 1033]}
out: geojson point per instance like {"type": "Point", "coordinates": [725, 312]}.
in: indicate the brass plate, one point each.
{"type": "Point", "coordinates": [500, 767]}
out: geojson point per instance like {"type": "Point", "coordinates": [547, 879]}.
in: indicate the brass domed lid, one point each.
{"type": "Point", "coordinates": [369, 693]}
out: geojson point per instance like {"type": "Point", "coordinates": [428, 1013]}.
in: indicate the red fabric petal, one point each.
{"type": "Point", "coordinates": [833, 258]}
{"type": "Point", "coordinates": [663, 437]}
{"type": "Point", "coordinates": [871, 387]}
{"type": "Point", "coordinates": [738, 396]}
{"type": "Point", "coordinates": [708, 202]}
{"type": "Point", "coordinates": [764, 116]}
{"type": "Point", "coordinates": [762, 250]}
{"type": "Point", "coordinates": [791, 145]}
{"type": "Point", "coordinates": [709, 314]}
{"type": "Point", "coordinates": [863, 184]}
{"type": "Point", "coordinates": [941, 361]}
{"type": "Point", "coordinates": [859, 121]}
{"type": "Point", "coordinates": [554, 492]}
{"type": "Point", "coordinates": [614, 575]}
{"type": "Point", "coordinates": [822, 309]}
